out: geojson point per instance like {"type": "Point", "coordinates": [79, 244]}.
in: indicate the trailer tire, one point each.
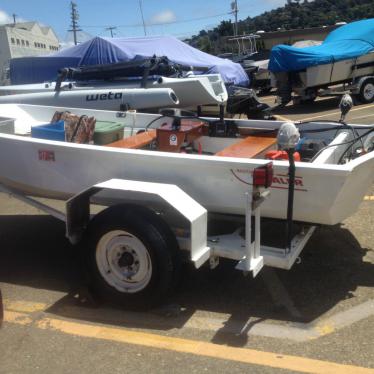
{"type": "Point", "coordinates": [132, 256]}
{"type": "Point", "coordinates": [366, 94]}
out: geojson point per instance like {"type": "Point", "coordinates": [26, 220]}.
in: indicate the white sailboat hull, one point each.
{"type": "Point", "coordinates": [104, 99]}
{"type": "Point", "coordinates": [191, 91]}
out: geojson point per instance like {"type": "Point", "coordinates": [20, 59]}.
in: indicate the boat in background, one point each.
{"type": "Point", "coordinates": [105, 99]}
{"type": "Point", "coordinates": [191, 91]}
{"type": "Point", "coordinates": [344, 62]}
{"type": "Point", "coordinates": [254, 62]}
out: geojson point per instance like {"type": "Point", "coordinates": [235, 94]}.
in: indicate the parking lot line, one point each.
{"type": "Point", "coordinates": [281, 118]}
{"type": "Point", "coordinates": [18, 318]}
{"type": "Point", "coordinates": [199, 348]}
{"type": "Point", "coordinates": [338, 112]}
{"type": "Point", "coordinates": [24, 306]}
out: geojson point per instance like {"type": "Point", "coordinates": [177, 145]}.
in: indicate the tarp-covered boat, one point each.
{"type": "Point", "coordinates": [99, 51]}
{"type": "Point", "coordinates": [347, 42]}
{"type": "Point", "coordinates": [345, 57]}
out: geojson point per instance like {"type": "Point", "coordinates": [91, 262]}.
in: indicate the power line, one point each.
{"type": "Point", "coordinates": [141, 12]}
{"type": "Point", "coordinates": [111, 28]}
{"type": "Point", "coordinates": [162, 23]}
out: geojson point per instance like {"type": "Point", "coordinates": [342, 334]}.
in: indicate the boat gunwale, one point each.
{"type": "Point", "coordinates": [232, 162]}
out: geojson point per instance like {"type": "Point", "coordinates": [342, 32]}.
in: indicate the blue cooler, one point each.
{"type": "Point", "coordinates": [50, 131]}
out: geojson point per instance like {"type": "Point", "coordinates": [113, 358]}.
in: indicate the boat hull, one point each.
{"type": "Point", "coordinates": [192, 91]}
{"type": "Point", "coordinates": [324, 194]}
{"type": "Point", "coordinates": [104, 99]}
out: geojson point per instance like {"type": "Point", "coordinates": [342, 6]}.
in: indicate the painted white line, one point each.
{"type": "Point", "coordinates": [338, 113]}
{"type": "Point", "coordinates": [345, 318]}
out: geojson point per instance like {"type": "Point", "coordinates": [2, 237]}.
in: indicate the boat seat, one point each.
{"type": "Point", "coordinates": [249, 147]}
{"type": "Point", "coordinates": [136, 141]}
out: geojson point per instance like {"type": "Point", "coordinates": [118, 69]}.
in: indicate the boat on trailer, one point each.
{"type": "Point", "coordinates": [344, 62]}
{"type": "Point", "coordinates": [162, 186]}
{"type": "Point", "coordinates": [214, 169]}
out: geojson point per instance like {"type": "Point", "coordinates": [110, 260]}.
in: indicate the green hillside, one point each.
{"type": "Point", "coordinates": [297, 15]}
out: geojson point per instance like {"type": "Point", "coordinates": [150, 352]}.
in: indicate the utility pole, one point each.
{"type": "Point", "coordinates": [234, 9]}
{"type": "Point", "coordinates": [74, 21]}
{"type": "Point", "coordinates": [141, 12]}
{"type": "Point", "coordinates": [14, 19]}
{"type": "Point", "coordinates": [111, 28]}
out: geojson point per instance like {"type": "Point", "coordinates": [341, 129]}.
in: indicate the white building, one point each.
{"type": "Point", "coordinates": [24, 39]}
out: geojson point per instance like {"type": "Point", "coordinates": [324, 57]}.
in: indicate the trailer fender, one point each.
{"type": "Point", "coordinates": [78, 210]}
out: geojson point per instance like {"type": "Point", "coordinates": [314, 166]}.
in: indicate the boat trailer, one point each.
{"type": "Point", "coordinates": [134, 246]}
{"type": "Point", "coordinates": [252, 256]}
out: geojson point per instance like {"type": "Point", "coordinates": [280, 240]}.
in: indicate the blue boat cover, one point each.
{"type": "Point", "coordinates": [111, 50]}
{"type": "Point", "coordinates": [349, 41]}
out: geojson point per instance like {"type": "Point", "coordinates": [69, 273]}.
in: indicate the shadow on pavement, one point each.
{"type": "Point", "coordinates": [35, 253]}
{"type": "Point", "coordinates": [317, 107]}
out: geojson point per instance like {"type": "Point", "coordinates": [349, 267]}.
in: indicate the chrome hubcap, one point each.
{"type": "Point", "coordinates": [369, 91]}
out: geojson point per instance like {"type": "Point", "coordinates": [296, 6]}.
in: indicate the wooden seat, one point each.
{"type": "Point", "coordinates": [136, 141]}
{"type": "Point", "coordinates": [249, 147]}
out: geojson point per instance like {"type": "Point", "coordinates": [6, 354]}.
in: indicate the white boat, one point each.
{"type": "Point", "coordinates": [357, 74]}
{"type": "Point", "coordinates": [216, 174]}
{"type": "Point", "coordinates": [191, 91]}
{"type": "Point", "coordinates": [344, 62]}
{"type": "Point", "coordinates": [105, 99]}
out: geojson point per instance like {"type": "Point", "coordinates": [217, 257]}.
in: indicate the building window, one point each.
{"type": "Point", "coordinates": [23, 42]}
{"type": "Point", "coordinates": [13, 41]}
{"type": "Point", "coordinates": [27, 43]}
{"type": "Point", "coordinates": [18, 43]}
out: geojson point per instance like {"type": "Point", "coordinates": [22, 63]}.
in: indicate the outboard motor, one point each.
{"type": "Point", "coordinates": [288, 137]}
{"type": "Point", "coordinates": [245, 100]}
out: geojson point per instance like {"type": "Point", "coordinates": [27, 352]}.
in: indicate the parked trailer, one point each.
{"type": "Point", "coordinates": [361, 87]}
{"type": "Point", "coordinates": [133, 252]}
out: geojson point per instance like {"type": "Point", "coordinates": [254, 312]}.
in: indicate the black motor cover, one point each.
{"type": "Point", "coordinates": [308, 148]}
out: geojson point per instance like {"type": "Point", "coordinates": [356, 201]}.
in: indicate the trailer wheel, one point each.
{"type": "Point", "coordinates": [366, 94]}
{"type": "Point", "coordinates": [132, 256]}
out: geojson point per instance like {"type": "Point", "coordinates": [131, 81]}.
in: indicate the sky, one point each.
{"type": "Point", "coordinates": [162, 17]}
